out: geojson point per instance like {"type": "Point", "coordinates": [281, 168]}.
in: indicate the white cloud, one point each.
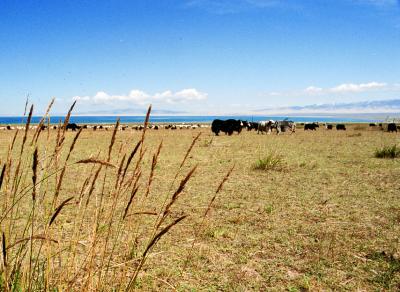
{"type": "Point", "coordinates": [351, 87]}
{"type": "Point", "coordinates": [140, 97]}
{"type": "Point", "coordinates": [76, 98]}
{"type": "Point", "coordinates": [191, 94]}
{"type": "Point", "coordinates": [344, 88]}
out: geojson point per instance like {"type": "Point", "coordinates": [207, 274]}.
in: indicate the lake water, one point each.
{"type": "Point", "coordinates": [181, 119]}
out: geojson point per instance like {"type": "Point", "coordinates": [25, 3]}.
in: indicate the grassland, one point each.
{"type": "Point", "coordinates": [326, 219]}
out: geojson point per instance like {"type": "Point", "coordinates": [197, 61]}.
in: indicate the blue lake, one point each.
{"type": "Point", "coordinates": [181, 119]}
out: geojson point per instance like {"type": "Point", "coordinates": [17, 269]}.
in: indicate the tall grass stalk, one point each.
{"type": "Point", "coordinates": [69, 223]}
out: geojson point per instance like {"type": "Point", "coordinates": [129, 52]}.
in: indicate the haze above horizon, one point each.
{"type": "Point", "coordinates": [201, 57]}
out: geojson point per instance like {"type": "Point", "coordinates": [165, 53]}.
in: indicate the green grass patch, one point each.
{"type": "Point", "coordinates": [271, 161]}
{"type": "Point", "coordinates": [388, 152]}
{"type": "Point", "coordinates": [388, 270]}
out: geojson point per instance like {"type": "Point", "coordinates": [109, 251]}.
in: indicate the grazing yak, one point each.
{"type": "Point", "coordinates": [73, 127]}
{"type": "Point", "coordinates": [312, 127]}
{"type": "Point", "coordinates": [265, 126]}
{"type": "Point", "coordinates": [252, 126]}
{"type": "Point", "coordinates": [392, 127]}
{"type": "Point", "coordinates": [341, 127]}
{"type": "Point", "coordinates": [228, 126]}
{"type": "Point", "coordinates": [282, 126]}
{"type": "Point", "coordinates": [245, 124]}
{"type": "Point", "coordinates": [329, 127]}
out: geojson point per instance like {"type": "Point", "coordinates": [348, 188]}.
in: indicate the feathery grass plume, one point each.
{"type": "Point", "coordinates": [28, 122]}
{"type": "Point", "coordinates": [66, 121]}
{"type": "Point", "coordinates": [71, 148]}
{"type": "Point", "coordinates": [34, 171]}
{"type": "Point", "coordinates": [153, 166]}
{"type": "Point", "coordinates": [175, 196]}
{"type": "Point", "coordinates": [41, 123]}
{"type": "Point", "coordinates": [96, 175]}
{"type": "Point", "coordinates": [149, 247]}
{"type": "Point", "coordinates": [183, 183]}
{"type": "Point", "coordinates": [121, 146]}
{"type": "Point", "coordinates": [58, 137]}
{"type": "Point", "coordinates": [146, 122]}
{"type": "Point", "coordinates": [129, 182]}
{"type": "Point", "coordinates": [130, 202]}
{"type": "Point", "coordinates": [161, 233]}
{"type": "Point", "coordinates": [26, 104]}
{"type": "Point", "coordinates": [3, 170]}
{"type": "Point", "coordinates": [128, 162]}
{"type": "Point", "coordinates": [225, 179]}
{"type": "Point", "coordinates": [41, 237]}
{"type": "Point", "coordinates": [58, 210]}
{"type": "Point", "coordinates": [87, 180]}
{"type": "Point", "coordinates": [96, 161]}
{"type": "Point", "coordinates": [61, 133]}
{"type": "Point", "coordinates": [119, 173]}
{"type": "Point", "coordinates": [188, 152]}
{"type": "Point", "coordinates": [112, 140]}
{"type": "Point", "coordinates": [34, 178]}
{"type": "Point", "coordinates": [137, 176]}
{"type": "Point", "coordinates": [17, 169]}
{"type": "Point", "coordinates": [48, 128]}
{"type": "Point", "coordinates": [84, 185]}
{"type": "Point", "coordinates": [13, 140]}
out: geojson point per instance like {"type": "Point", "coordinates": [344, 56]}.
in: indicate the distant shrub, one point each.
{"type": "Point", "coordinates": [272, 161]}
{"type": "Point", "coordinates": [388, 152]}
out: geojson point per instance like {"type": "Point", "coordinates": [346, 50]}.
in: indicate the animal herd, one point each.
{"type": "Point", "coordinates": [74, 127]}
{"type": "Point", "coordinates": [228, 127]}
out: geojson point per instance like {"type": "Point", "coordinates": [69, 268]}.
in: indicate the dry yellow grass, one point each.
{"type": "Point", "coordinates": [329, 221]}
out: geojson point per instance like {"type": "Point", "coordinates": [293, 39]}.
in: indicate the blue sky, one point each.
{"type": "Point", "coordinates": [197, 56]}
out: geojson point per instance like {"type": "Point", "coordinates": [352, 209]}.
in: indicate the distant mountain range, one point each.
{"type": "Point", "coordinates": [391, 106]}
